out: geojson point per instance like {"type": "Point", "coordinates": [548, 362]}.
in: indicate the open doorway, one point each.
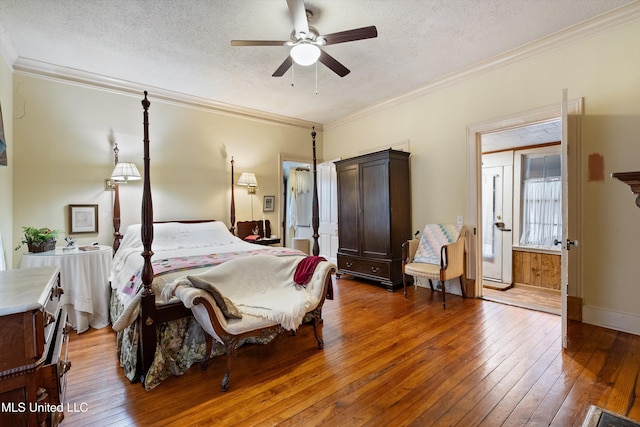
{"type": "Point", "coordinates": [297, 191]}
{"type": "Point", "coordinates": [520, 214]}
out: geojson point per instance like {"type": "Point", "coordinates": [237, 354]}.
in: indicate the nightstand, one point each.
{"type": "Point", "coordinates": [265, 241]}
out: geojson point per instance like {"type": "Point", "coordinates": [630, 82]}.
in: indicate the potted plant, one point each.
{"type": "Point", "coordinates": [39, 239]}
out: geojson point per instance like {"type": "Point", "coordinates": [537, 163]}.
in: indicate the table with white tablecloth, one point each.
{"type": "Point", "coordinates": [84, 279]}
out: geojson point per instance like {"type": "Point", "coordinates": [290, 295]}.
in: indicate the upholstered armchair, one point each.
{"type": "Point", "coordinates": [437, 255]}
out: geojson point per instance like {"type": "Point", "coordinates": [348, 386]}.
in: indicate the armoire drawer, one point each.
{"type": "Point", "coordinates": [365, 267]}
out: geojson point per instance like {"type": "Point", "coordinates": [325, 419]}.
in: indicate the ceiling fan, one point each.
{"type": "Point", "coordinates": [306, 42]}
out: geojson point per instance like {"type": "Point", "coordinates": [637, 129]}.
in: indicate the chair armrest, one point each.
{"type": "Point", "coordinates": [453, 259]}
{"type": "Point", "coordinates": [409, 249]}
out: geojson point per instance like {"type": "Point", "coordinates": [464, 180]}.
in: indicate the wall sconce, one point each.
{"type": "Point", "coordinates": [249, 180]}
{"type": "Point", "coordinates": [122, 173]}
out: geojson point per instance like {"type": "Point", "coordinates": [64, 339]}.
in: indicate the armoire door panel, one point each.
{"type": "Point", "coordinates": [348, 208]}
{"type": "Point", "coordinates": [375, 212]}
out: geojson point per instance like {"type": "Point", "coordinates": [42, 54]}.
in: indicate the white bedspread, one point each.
{"type": "Point", "coordinates": [261, 286]}
{"type": "Point", "coordinates": [171, 240]}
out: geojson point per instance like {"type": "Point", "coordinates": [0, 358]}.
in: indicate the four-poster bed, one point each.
{"type": "Point", "coordinates": [145, 325]}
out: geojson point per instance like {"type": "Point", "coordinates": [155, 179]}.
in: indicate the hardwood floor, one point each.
{"type": "Point", "coordinates": [387, 360]}
{"type": "Point", "coordinates": [546, 300]}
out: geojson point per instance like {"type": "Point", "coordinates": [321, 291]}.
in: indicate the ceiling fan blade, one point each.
{"type": "Point", "coordinates": [257, 43]}
{"type": "Point", "coordinates": [298, 16]}
{"type": "Point", "coordinates": [333, 64]}
{"type": "Point", "coordinates": [351, 35]}
{"type": "Point", "coordinates": [283, 67]}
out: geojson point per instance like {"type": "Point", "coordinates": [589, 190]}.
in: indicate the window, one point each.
{"type": "Point", "coordinates": [541, 200]}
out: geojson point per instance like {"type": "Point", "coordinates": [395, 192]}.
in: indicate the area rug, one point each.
{"type": "Point", "coordinates": [598, 417]}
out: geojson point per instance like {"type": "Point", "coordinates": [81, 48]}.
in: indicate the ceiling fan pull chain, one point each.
{"type": "Point", "coordinates": [316, 77]}
{"type": "Point", "coordinates": [293, 67]}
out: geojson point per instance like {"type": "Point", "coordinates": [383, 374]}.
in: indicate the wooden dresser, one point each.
{"type": "Point", "coordinates": [374, 215]}
{"type": "Point", "coordinates": [33, 342]}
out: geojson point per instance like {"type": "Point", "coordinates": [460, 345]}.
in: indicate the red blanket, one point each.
{"type": "Point", "coordinates": [305, 269]}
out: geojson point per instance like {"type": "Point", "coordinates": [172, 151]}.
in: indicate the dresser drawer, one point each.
{"type": "Point", "coordinates": [51, 312]}
{"type": "Point", "coordinates": [53, 373]}
{"type": "Point", "coordinates": [364, 267]}
{"type": "Point", "coordinates": [33, 338]}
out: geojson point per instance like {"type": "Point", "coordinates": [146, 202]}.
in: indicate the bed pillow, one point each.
{"type": "Point", "coordinates": [229, 310]}
{"type": "Point", "coordinates": [176, 235]}
{"type": "Point", "coordinates": [131, 237]}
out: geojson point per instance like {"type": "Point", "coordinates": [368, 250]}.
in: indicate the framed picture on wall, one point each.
{"type": "Point", "coordinates": [83, 219]}
{"type": "Point", "coordinates": [269, 203]}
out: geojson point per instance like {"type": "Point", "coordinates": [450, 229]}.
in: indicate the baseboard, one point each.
{"type": "Point", "coordinates": [574, 308]}
{"type": "Point", "coordinates": [616, 320]}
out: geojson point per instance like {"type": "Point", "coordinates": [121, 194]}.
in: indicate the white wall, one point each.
{"type": "Point", "coordinates": [62, 154]}
{"type": "Point", "coordinates": [605, 70]}
{"type": "Point", "coordinates": [6, 172]}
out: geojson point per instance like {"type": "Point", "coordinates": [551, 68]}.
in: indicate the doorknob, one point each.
{"type": "Point", "coordinates": [500, 226]}
{"type": "Point", "coordinates": [569, 243]}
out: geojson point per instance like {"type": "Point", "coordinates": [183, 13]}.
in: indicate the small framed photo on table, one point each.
{"type": "Point", "coordinates": [83, 219]}
{"type": "Point", "coordinates": [269, 203]}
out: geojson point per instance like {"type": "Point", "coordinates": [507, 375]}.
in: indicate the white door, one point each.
{"type": "Point", "coordinates": [569, 231]}
{"type": "Point", "coordinates": [328, 211]}
{"type": "Point", "coordinates": [497, 217]}
{"type": "Point", "coordinates": [492, 216]}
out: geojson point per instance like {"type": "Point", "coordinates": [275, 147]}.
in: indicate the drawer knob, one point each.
{"type": "Point", "coordinates": [48, 318]}
{"type": "Point", "coordinates": [64, 367]}
{"type": "Point", "coordinates": [375, 269]}
{"type": "Point", "coordinates": [349, 264]}
{"type": "Point", "coordinates": [56, 292]}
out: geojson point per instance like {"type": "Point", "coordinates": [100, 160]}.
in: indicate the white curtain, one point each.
{"type": "Point", "coordinates": [541, 212]}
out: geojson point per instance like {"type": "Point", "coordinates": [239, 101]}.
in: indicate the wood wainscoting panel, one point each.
{"type": "Point", "coordinates": [551, 277]}
{"type": "Point", "coordinates": [536, 269]}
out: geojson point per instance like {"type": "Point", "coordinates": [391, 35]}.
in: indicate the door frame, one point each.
{"type": "Point", "coordinates": [283, 157]}
{"type": "Point", "coordinates": [473, 188]}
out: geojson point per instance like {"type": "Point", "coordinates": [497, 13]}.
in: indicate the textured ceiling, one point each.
{"type": "Point", "coordinates": [184, 45]}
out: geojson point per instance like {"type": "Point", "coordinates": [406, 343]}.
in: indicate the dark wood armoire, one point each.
{"type": "Point", "coordinates": [374, 215]}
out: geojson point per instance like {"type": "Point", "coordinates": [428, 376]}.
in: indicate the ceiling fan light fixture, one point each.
{"type": "Point", "coordinates": [305, 54]}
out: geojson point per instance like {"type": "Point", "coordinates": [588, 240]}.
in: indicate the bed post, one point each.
{"type": "Point", "coordinates": [148, 303]}
{"type": "Point", "coordinates": [233, 204]}
{"type": "Point", "coordinates": [315, 216]}
{"type": "Point", "coordinates": [116, 205]}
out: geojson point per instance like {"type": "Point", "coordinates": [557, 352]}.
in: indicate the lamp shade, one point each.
{"type": "Point", "coordinates": [305, 54]}
{"type": "Point", "coordinates": [125, 171]}
{"type": "Point", "coordinates": [248, 179]}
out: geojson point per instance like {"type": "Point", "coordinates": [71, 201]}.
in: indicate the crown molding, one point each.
{"type": "Point", "coordinates": [49, 71]}
{"type": "Point", "coordinates": [577, 32]}
{"type": "Point", "coordinates": [568, 35]}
